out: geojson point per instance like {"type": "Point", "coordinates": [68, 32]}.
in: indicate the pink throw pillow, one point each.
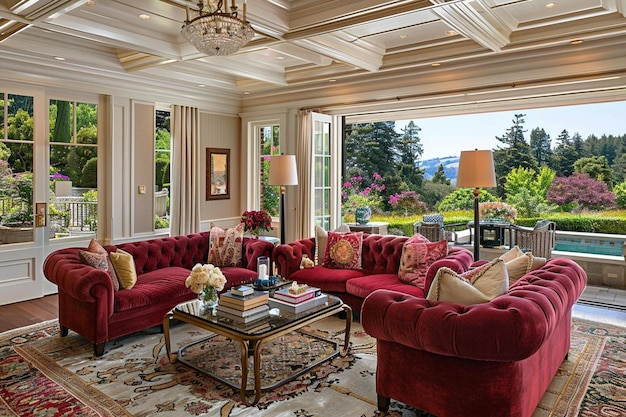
{"type": "Point", "coordinates": [97, 257]}
{"type": "Point", "coordinates": [343, 250]}
{"type": "Point", "coordinates": [418, 254]}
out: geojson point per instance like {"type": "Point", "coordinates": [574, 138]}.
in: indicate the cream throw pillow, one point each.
{"type": "Point", "coordinates": [124, 265]}
{"type": "Point", "coordinates": [519, 263]}
{"type": "Point", "coordinates": [476, 286]}
{"type": "Point", "coordinates": [514, 252]}
{"type": "Point", "coordinates": [321, 239]}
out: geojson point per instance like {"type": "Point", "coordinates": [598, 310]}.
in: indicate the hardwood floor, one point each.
{"type": "Point", "coordinates": [29, 312]}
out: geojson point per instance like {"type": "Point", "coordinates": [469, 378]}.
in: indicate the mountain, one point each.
{"type": "Point", "coordinates": [450, 167]}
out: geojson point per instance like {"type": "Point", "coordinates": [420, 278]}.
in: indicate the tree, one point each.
{"type": "Point", "coordinates": [433, 193]}
{"type": "Point", "coordinates": [410, 150]}
{"type": "Point", "coordinates": [440, 176]}
{"type": "Point", "coordinates": [371, 148]}
{"type": "Point", "coordinates": [540, 146]}
{"type": "Point", "coordinates": [535, 182]}
{"type": "Point", "coordinates": [516, 153]}
{"type": "Point", "coordinates": [580, 190]}
{"type": "Point", "coordinates": [89, 175]}
{"type": "Point", "coordinates": [565, 154]}
{"type": "Point", "coordinates": [620, 195]}
{"type": "Point", "coordinates": [597, 167]}
{"type": "Point", "coordinates": [463, 199]}
{"type": "Point", "coordinates": [619, 168]}
{"type": "Point", "coordinates": [20, 128]}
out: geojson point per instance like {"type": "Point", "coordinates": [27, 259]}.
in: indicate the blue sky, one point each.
{"type": "Point", "coordinates": [446, 136]}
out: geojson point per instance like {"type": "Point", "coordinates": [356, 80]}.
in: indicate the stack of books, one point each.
{"type": "Point", "coordinates": [243, 304]}
{"type": "Point", "coordinates": [285, 300]}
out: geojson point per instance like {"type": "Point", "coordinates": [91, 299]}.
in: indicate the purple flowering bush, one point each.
{"type": "Point", "coordinates": [407, 203]}
{"type": "Point", "coordinates": [580, 191]}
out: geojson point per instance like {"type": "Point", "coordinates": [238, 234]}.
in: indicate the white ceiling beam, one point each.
{"type": "Point", "coordinates": [301, 53]}
{"type": "Point", "coordinates": [236, 66]}
{"type": "Point", "coordinates": [356, 52]}
{"type": "Point", "coordinates": [125, 39]}
{"type": "Point", "coordinates": [479, 24]}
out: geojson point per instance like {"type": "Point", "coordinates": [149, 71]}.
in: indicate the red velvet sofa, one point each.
{"type": "Point", "coordinates": [493, 359]}
{"type": "Point", "coordinates": [380, 258]}
{"type": "Point", "coordinates": [89, 305]}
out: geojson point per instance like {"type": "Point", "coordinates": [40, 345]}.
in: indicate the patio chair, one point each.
{"type": "Point", "coordinates": [431, 227]}
{"type": "Point", "coordinates": [540, 240]}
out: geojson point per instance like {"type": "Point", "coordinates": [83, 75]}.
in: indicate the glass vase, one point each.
{"type": "Point", "coordinates": [208, 298]}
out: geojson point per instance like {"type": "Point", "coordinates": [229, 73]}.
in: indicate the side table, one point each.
{"type": "Point", "coordinates": [371, 227]}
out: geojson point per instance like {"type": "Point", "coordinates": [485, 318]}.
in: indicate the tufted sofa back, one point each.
{"type": "Point", "coordinates": [185, 251]}
{"type": "Point", "coordinates": [381, 254]}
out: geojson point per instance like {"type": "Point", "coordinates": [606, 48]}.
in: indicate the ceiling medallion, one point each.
{"type": "Point", "coordinates": [217, 32]}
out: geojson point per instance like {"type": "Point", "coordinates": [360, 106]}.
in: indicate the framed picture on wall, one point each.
{"type": "Point", "coordinates": [217, 174]}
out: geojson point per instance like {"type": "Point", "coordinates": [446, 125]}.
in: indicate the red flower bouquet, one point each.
{"type": "Point", "coordinates": [255, 221]}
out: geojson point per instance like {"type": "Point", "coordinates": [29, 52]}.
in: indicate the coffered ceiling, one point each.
{"type": "Point", "coordinates": [313, 47]}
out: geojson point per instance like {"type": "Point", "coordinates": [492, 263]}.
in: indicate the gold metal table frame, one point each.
{"type": "Point", "coordinates": [251, 336]}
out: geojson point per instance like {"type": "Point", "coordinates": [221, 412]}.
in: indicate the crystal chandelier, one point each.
{"type": "Point", "coordinates": [217, 32]}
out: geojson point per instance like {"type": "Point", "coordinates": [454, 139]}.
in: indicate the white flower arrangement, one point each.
{"type": "Point", "coordinates": [203, 276]}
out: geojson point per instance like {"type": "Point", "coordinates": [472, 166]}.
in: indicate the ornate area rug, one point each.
{"type": "Point", "coordinates": [43, 374]}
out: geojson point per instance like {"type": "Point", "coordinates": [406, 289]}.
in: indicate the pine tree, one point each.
{"type": "Point", "coordinates": [540, 146]}
{"type": "Point", "coordinates": [565, 154]}
{"type": "Point", "coordinates": [516, 154]}
{"type": "Point", "coordinates": [440, 176]}
{"type": "Point", "coordinates": [410, 150]}
{"type": "Point", "coordinates": [370, 148]}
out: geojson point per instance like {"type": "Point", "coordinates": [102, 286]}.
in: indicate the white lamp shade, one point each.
{"type": "Point", "coordinates": [476, 169]}
{"type": "Point", "coordinates": [283, 170]}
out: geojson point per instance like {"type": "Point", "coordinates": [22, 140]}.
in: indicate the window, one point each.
{"type": "Point", "coordinates": [270, 145]}
{"type": "Point", "coordinates": [73, 208]}
{"type": "Point", "coordinates": [321, 172]}
{"type": "Point", "coordinates": [162, 164]}
{"type": "Point", "coordinates": [16, 168]}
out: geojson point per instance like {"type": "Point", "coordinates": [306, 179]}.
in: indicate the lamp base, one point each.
{"type": "Point", "coordinates": [476, 226]}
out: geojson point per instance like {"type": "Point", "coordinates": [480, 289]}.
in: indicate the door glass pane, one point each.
{"type": "Point", "coordinates": [162, 164]}
{"type": "Point", "coordinates": [16, 169]}
{"type": "Point", "coordinates": [73, 205]}
{"type": "Point", "coordinates": [270, 194]}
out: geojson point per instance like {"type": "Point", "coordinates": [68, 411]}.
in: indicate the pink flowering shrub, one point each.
{"type": "Point", "coordinates": [580, 190]}
{"type": "Point", "coordinates": [407, 203]}
{"type": "Point", "coordinates": [359, 192]}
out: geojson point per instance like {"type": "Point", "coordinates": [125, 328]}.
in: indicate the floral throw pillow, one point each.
{"type": "Point", "coordinates": [343, 250]}
{"type": "Point", "coordinates": [226, 246]}
{"type": "Point", "coordinates": [418, 254]}
{"type": "Point", "coordinates": [97, 257]}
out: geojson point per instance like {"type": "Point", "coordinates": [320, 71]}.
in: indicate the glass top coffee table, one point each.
{"type": "Point", "coordinates": [252, 335]}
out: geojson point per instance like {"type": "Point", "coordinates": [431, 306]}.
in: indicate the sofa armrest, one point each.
{"type": "Point", "coordinates": [254, 248]}
{"type": "Point", "coordinates": [458, 259]}
{"type": "Point", "coordinates": [287, 256]}
{"type": "Point", "coordinates": [508, 328]}
{"type": "Point", "coordinates": [80, 281]}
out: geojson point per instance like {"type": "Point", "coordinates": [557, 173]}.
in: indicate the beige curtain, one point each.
{"type": "Point", "coordinates": [185, 169]}
{"type": "Point", "coordinates": [304, 161]}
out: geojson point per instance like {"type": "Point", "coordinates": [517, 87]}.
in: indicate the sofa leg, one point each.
{"type": "Point", "coordinates": [383, 403]}
{"type": "Point", "coordinates": [64, 331]}
{"type": "Point", "coordinates": [98, 349]}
